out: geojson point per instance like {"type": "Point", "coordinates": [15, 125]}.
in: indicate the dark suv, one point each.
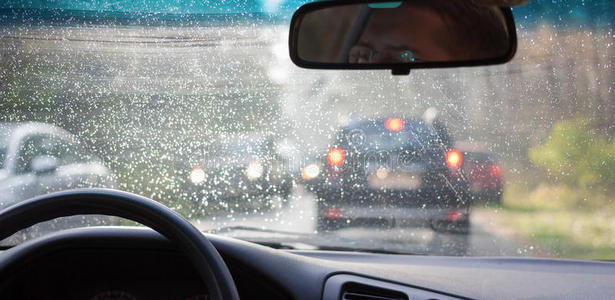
{"type": "Point", "coordinates": [393, 172]}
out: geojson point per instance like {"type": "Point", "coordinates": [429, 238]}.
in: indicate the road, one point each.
{"type": "Point", "coordinates": [299, 216]}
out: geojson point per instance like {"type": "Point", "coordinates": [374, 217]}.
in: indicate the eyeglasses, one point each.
{"type": "Point", "coordinates": [362, 54]}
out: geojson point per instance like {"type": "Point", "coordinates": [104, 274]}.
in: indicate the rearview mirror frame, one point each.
{"type": "Point", "coordinates": [396, 68]}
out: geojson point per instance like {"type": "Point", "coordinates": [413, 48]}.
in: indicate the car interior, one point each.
{"type": "Point", "coordinates": [159, 251]}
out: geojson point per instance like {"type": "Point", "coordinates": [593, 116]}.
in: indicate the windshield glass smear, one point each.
{"type": "Point", "coordinates": [157, 98]}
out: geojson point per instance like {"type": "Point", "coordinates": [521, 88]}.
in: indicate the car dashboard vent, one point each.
{"type": "Point", "coordinates": [354, 287]}
{"type": "Point", "coordinates": [356, 291]}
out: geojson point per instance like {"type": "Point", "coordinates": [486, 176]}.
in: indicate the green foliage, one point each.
{"type": "Point", "coordinates": [572, 155]}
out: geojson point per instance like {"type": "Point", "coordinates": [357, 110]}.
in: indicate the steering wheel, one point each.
{"type": "Point", "coordinates": [190, 241]}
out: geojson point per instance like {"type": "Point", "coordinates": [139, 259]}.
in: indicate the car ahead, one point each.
{"type": "Point", "coordinates": [395, 171]}
{"type": "Point", "coordinates": [484, 175]}
{"type": "Point", "coordinates": [38, 158]}
{"type": "Point", "coordinates": [240, 172]}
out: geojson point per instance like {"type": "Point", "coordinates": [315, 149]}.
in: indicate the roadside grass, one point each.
{"type": "Point", "coordinates": [563, 221]}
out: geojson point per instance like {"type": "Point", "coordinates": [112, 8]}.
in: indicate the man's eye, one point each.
{"type": "Point", "coordinates": [359, 54]}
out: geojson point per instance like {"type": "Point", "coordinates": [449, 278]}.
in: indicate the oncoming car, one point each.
{"type": "Point", "coordinates": [393, 171]}
{"type": "Point", "coordinates": [241, 172]}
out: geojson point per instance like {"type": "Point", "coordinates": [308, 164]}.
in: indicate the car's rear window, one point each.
{"type": "Point", "coordinates": [375, 136]}
{"type": "Point", "coordinates": [478, 156]}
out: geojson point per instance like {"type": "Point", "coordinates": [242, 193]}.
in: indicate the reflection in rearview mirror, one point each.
{"type": "Point", "coordinates": [416, 33]}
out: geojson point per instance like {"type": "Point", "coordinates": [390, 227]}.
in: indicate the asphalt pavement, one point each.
{"type": "Point", "coordinates": [299, 216]}
{"type": "Point", "coordinates": [293, 224]}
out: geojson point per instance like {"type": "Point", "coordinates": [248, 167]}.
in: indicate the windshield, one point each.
{"type": "Point", "coordinates": [155, 89]}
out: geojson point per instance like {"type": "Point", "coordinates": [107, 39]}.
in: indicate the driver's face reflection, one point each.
{"type": "Point", "coordinates": [400, 35]}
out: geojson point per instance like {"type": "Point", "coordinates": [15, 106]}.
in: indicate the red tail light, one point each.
{"type": "Point", "coordinates": [453, 215]}
{"type": "Point", "coordinates": [454, 158]}
{"type": "Point", "coordinates": [495, 171]}
{"type": "Point", "coordinates": [333, 213]}
{"type": "Point", "coordinates": [336, 156]}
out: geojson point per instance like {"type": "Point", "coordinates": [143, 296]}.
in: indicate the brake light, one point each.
{"type": "Point", "coordinates": [454, 158]}
{"type": "Point", "coordinates": [453, 216]}
{"type": "Point", "coordinates": [333, 213]}
{"type": "Point", "coordinates": [394, 124]}
{"type": "Point", "coordinates": [495, 171]}
{"type": "Point", "coordinates": [336, 156]}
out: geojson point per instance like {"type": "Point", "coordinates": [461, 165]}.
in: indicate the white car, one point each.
{"type": "Point", "coordinates": [38, 158]}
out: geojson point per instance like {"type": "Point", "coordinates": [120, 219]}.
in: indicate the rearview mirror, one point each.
{"type": "Point", "coordinates": [401, 35]}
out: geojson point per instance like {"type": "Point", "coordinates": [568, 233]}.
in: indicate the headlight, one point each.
{"type": "Point", "coordinates": [198, 175]}
{"type": "Point", "coordinates": [382, 173]}
{"type": "Point", "coordinates": [254, 170]}
{"type": "Point", "coordinates": [310, 172]}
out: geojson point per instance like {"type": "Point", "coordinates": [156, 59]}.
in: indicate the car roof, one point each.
{"type": "Point", "coordinates": [5, 132]}
{"type": "Point", "coordinates": [14, 125]}
{"type": "Point", "coordinates": [7, 127]}
{"type": "Point", "coordinates": [25, 128]}
{"type": "Point", "coordinates": [379, 122]}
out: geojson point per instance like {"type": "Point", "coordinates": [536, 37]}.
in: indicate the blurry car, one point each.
{"type": "Point", "coordinates": [37, 158]}
{"type": "Point", "coordinates": [393, 172]}
{"type": "Point", "coordinates": [310, 172]}
{"type": "Point", "coordinates": [241, 172]}
{"type": "Point", "coordinates": [303, 165]}
{"type": "Point", "coordinates": [484, 175]}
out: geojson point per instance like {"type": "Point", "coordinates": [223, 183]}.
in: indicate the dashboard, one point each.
{"type": "Point", "coordinates": [137, 264]}
{"type": "Point", "coordinates": [107, 274]}
{"type": "Point", "coordinates": [128, 263]}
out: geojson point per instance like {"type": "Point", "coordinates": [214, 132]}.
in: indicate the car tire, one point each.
{"type": "Point", "coordinates": [327, 225]}
{"type": "Point", "coordinates": [460, 227]}
{"type": "Point", "coordinates": [323, 223]}
{"type": "Point", "coordinates": [286, 197]}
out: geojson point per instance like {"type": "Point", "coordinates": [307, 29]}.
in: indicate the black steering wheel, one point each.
{"type": "Point", "coordinates": [190, 241]}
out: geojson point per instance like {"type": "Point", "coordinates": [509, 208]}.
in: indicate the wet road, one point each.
{"type": "Point", "coordinates": [300, 213]}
